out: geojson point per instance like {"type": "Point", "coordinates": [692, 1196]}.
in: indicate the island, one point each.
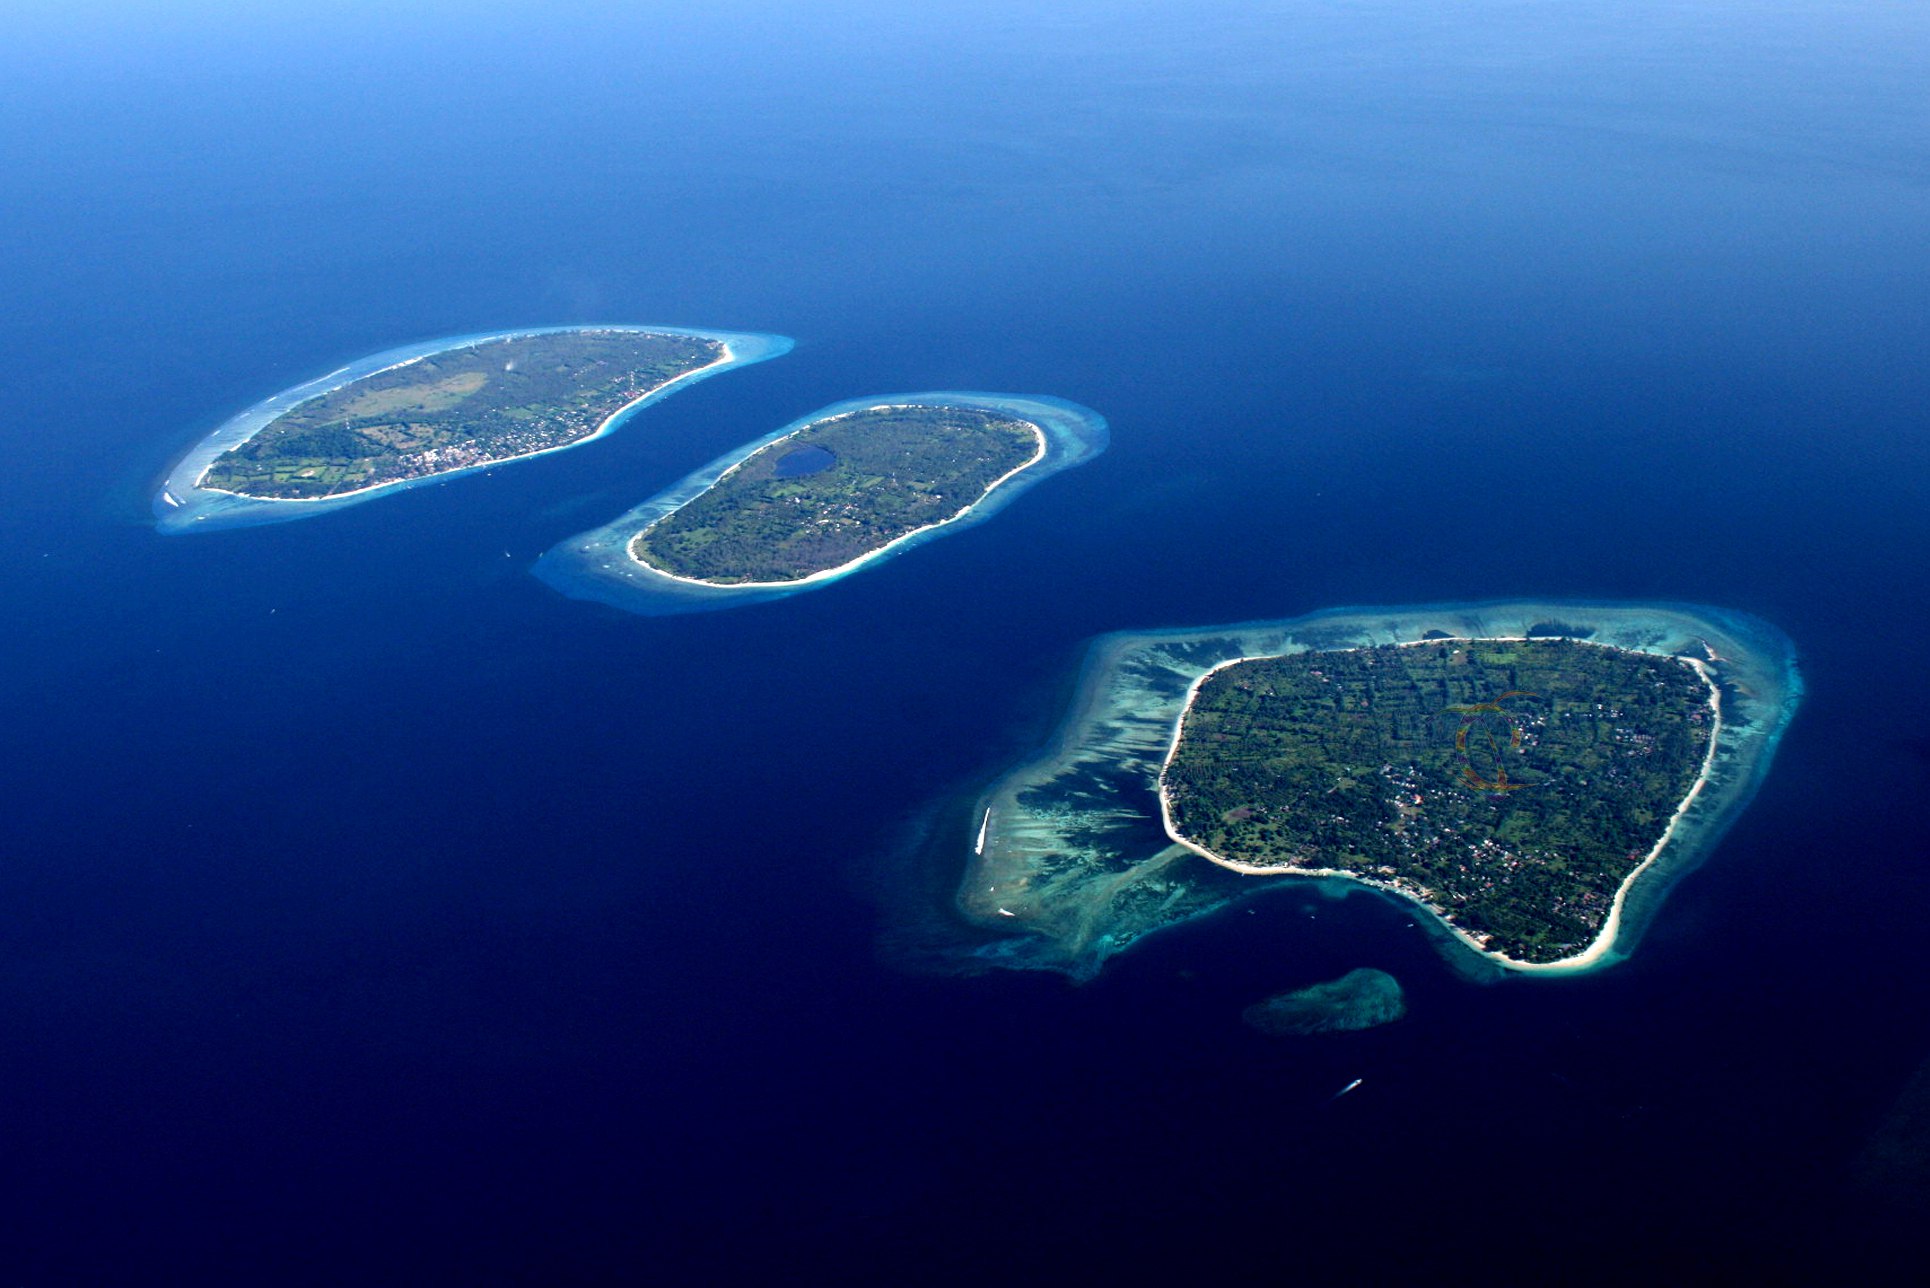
{"type": "Point", "coordinates": [1523, 782]}
{"type": "Point", "coordinates": [476, 405]}
{"type": "Point", "coordinates": [824, 497]}
{"type": "Point", "coordinates": [1511, 786]}
{"type": "Point", "coordinates": [407, 417]}
{"type": "Point", "coordinates": [834, 493]}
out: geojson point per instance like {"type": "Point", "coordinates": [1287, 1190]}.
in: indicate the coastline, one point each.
{"type": "Point", "coordinates": [850, 566]}
{"type": "Point", "coordinates": [1076, 845]}
{"type": "Point", "coordinates": [1604, 941]}
{"type": "Point", "coordinates": [598, 565]}
{"type": "Point", "coordinates": [183, 504]}
{"type": "Point", "coordinates": [603, 427]}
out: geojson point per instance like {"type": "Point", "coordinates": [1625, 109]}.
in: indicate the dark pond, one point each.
{"type": "Point", "coordinates": [804, 460]}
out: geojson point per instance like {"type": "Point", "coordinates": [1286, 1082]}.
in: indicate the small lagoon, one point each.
{"type": "Point", "coordinates": [806, 460]}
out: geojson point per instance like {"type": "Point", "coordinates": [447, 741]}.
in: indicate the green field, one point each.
{"type": "Point", "coordinates": [454, 410]}
{"type": "Point", "coordinates": [1513, 784]}
{"type": "Point", "coordinates": [881, 472]}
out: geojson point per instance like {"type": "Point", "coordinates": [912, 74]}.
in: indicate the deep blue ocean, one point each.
{"type": "Point", "coordinates": [371, 913]}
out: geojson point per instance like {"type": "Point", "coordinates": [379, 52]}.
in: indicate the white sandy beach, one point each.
{"type": "Point", "coordinates": [603, 427]}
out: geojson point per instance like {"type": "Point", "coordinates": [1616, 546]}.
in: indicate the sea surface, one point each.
{"type": "Point", "coordinates": [373, 913]}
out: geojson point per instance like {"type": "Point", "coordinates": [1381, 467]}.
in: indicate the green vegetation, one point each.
{"type": "Point", "coordinates": [1511, 784]}
{"type": "Point", "coordinates": [836, 490]}
{"type": "Point", "coordinates": [456, 409]}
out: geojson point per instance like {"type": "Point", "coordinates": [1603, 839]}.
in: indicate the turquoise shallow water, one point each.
{"type": "Point", "coordinates": [1069, 853]}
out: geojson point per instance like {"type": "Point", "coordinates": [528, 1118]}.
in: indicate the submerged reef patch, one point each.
{"type": "Point", "coordinates": [1360, 999]}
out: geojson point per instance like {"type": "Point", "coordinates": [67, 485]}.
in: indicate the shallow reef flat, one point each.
{"type": "Point", "coordinates": [1360, 999]}
{"type": "Point", "coordinates": [602, 565]}
{"type": "Point", "coordinates": [378, 429]}
{"type": "Point", "coordinates": [1068, 854]}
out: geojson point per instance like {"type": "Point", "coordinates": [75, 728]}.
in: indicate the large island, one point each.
{"type": "Point", "coordinates": [416, 415]}
{"type": "Point", "coordinates": [1526, 781]}
{"type": "Point", "coordinates": [824, 497]}
{"type": "Point", "coordinates": [1510, 785]}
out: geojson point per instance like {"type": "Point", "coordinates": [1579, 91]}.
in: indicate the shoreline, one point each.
{"type": "Point", "coordinates": [1604, 941]}
{"type": "Point", "coordinates": [182, 505]}
{"type": "Point", "coordinates": [603, 427]}
{"type": "Point", "coordinates": [1072, 864]}
{"type": "Point", "coordinates": [599, 564]}
{"type": "Point", "coordinates": [1038, 454]}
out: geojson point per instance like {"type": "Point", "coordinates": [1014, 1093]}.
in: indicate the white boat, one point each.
{"type": "Point", "coordinates": [979, 848]}
{"type": "Point", "coordinates": [1349, 1087]}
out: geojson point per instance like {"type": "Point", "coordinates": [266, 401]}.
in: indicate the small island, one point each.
{"type": "Point", "coordinates": [824, 497]}
{"type": "Point", "coordinates": [478, 405]}
{"type": "Point", "coordinates": [1524, 782]}
{"type": "Point", "coordinates": [836, 492]}
{"type": "Point", "coordinates": [411, 416]}
{"type": "Point", "coordinates": [1510, 785]}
